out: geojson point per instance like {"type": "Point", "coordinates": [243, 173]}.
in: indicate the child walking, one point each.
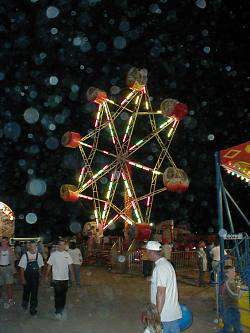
{"type": "Point", "coordinates": [151, 319]}
{"type": "Point", "coordinates": [230, 295]}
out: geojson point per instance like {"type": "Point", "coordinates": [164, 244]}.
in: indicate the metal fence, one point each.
{"type": "Point", "coordinates": [134, 262]}
{"type": "Point", "coordinates": [184, 259]}
{"type": "Point", "coordinates": [181, 260]}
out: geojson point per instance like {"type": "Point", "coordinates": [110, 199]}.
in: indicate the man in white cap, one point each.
{"type": "Point", "coordinates": [164, 292]}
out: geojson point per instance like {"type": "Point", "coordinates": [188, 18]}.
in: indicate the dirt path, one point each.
{"type": "Point", "coordinates": [106, 303]}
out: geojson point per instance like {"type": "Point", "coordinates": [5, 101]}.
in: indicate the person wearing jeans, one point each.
{"type": "Point", "coordinates": [60, 289]}
{"type": "Point", "coordinates": [164, 292]}
{"type": "Point", "coordinates": [30, 264]}
{"type": "Point", "coordinates": [60, 263]}
{"type": "Point", "coordinates": [231, 293]}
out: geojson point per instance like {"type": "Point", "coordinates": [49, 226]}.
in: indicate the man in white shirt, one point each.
{"type": "Point", "coordinates": [164, 293]}
{"type": "Point", "coordinates": [215, 254]}
{"type": "Point", "coordinates": [6, 268]}
{"type": "Point", "coordinates": [30, 265]}
{"type": "Point", "coordinates": [61, 263]}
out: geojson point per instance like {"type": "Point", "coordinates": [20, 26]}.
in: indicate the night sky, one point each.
{"type": "Point", "coordinates": [53, 51]}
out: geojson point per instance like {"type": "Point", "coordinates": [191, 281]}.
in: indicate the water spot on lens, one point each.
{"type": "Point", "coordinates": [53, 80]}
{"type": "Point", "coordinates": [31, 218]}
{"type": "Point", "coordinates": [53, 31]}
{"type": "Point", "coordinates": [124, 26]}
{"type": "Point", "coordinates": [52, 127]}
{"type": "Point", "coordinates": [30, 171]}
{"type": "Point", "coordinates": [210, 137]}
{"type": "Point", "coordinates": [52, 143]}
{"type": "Point", "coordinates": [52, 12]}
{"type": "Point", "coordinates": [119, 42]}
{"type": "Point", "coordinates": [2, 76]}
{"type": "Point", "coordinates": [154, 8]}
{"type": "Point", "coordinates": [206, 49]}
{"type": "Point", "coordinates": [12, 130]}
{"type": "Point", "coordinates": [201, 4]}
{"type": "Point", "coordinates": [77, 41]}
{"type": "Point", "coordinates": [75, 227]}
{"type": "Point", "coordinates": [36, 187]}
{"type": "Point", "coordinates": [31, 115]}
{"type": "Point", "coordinates": [101, 46]}
{"type": "Point", "coordinates": [75, 88]}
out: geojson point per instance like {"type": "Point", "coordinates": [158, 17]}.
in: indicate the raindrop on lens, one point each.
{"type": "Point", "coordinates": [2, 76]}
{"type": "Point", "coordinates": [31, 115]}
{"type": "Point", "coordinates": [52, 12]}
{"type": "Point", "coordinates": [54, 31]}
{"type": "Point", "coordinates": [201, 4]}
{"type": "Point", "coordinates": [75, 227]}
{"type": "Point", "coordinates": [36, 187]}
{"type": "Point", "coordinates": [53, 80]}
{"type": "Point", "coordinates": [52, 143]}
{"type": "Point", "coordinates": [222, 233]}
{"type": "Point", "coordinates": [12, 130]}
{"type": "Point", "coordinates": [77, 41]}
{"type": "Point", "coordinates": [210, 137]}
{"type": "Point", "coordinates": [120, 42]}
{"type": "Point", "coordinates": [52, 127]}
{"type": "Point", "coordinates": [206, 49]}
{"type": "Point", "coordinates": [31, 218]}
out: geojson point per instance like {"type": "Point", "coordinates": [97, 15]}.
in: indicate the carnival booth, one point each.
{"type": "Point", "coordinates": [7, 221]}
{"type": "Point", "coordinates": [236, 162]}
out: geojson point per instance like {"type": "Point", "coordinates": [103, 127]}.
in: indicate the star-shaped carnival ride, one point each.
{"type": "Point", "coordinates": [126, 155]}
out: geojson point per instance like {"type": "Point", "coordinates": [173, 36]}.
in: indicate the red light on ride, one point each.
{"type": "Point", "coordinates": [96, 95]}
{"type": "Point", "coordinates": [173, 108]}
{"type": "Point", "coordinates": [71, 139]}
{"type": "Point", "coordinates": [142, 232]}
{"type": "Point", "coordinates": [180, 111]}
{"type": "Point", "coordinates": [69, 193]}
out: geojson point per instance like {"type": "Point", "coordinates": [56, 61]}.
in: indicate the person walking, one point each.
{"type": "Point", "coordinates": [30, 265]}
{"type": "Point", "coordinates": [231, 293]}
{"type": "Point", "coordinates": [208, 249]}
{"type": "Point", "coordinates": [7, 263]}
{"type": "Point", "coordinates": [215, 254]}
{"type": "Point", "coordinates": [164, 292]}
{"type": "Point", "coordinates": [60, 262]}
{"type": "Point", "coordinates": [202, 263]}
{"type": "Point", "coordinates": [76, 256]}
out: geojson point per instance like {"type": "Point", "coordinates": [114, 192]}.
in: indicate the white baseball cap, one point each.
{"type": "Point", "coordinates": [153, 246]}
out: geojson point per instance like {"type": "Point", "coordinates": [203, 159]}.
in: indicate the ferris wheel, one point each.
{"type": "Point", "coordinates": [126, 159]}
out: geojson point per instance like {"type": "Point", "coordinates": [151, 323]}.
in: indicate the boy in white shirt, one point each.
{"type": "Point", "coordinates": [60, 263]}
{"type": "Point", "coordinates": [30, 265]}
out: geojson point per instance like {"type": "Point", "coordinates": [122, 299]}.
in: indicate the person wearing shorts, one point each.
{"type": "Point", "coordinates": [6, 268]}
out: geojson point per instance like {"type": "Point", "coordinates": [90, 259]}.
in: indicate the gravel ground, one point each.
{"type": "Point", "coordinates": [106, 303]}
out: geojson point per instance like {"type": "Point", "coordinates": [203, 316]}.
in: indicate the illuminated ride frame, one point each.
{"type": "Point", "coordinates": [236, 161]}
{"type": "Point", "coordinates": [110, 154]}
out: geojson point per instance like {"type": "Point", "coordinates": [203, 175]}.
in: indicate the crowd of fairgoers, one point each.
{"type": "Point", "coordinates": [60, 266]}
